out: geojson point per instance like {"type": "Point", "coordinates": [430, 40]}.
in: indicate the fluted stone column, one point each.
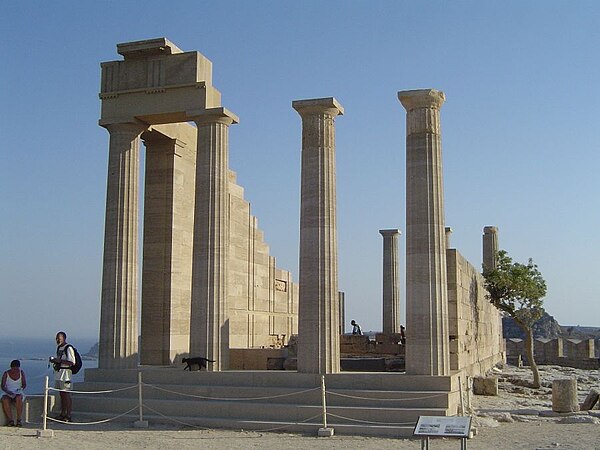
{"type": "Point", "coordinates": [490, 247]}
{"type": "Point", "coordinates": [427, 351]}
{"type": "Point", "coordinates": [391, 282]}
{"type": "Point", "coordinates": [209, 326]}
{"type": "Point", "coordinates": [118, 344]}
{"type": "Point", "coordinates": [167, 252]}
{"type": "Point", "coordinates": [318, 315]}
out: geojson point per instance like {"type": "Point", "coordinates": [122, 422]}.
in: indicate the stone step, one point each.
{"type": "Point", "coordinates": [252, 411]}
{"type": "Point", "coordinates": [277, 378]}
{"type": "Point", "coordinates": [341, 397]}
{"type": "Point", "coordinates": [310, 427]}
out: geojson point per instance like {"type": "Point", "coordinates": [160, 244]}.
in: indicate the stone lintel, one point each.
{"type": "Point", "coordinates": [147, 48]}
{"type": "Point", "coordinates": [390, 232]}
{"type": "Point", "coordinates": [209, 115]}
{"type": "Point", "coordinates": [328, 105]}
{"type": "Point", "coordinates": [421, 98]}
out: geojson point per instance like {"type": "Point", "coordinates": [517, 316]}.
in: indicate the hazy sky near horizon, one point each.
{"type": "Point", "coordinates": [520, 135]}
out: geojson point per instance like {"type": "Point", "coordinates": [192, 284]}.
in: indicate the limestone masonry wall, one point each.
{"type": "Point", "coordinates": [263, 300]}
{"type": "Point", "coordinates": [560, 352]}
{"type": "Point", "coordinates": [476, 343]}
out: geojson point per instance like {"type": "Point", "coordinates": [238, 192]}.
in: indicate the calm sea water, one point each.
{"type": "Point", "coordinates": [33, 354]}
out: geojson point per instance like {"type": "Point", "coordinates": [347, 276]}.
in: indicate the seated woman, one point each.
{"type": "Point", "coordinates": [13, 384]}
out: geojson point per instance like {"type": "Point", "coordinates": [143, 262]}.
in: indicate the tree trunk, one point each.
{"type": "Point", "coordinates": [529, 349]}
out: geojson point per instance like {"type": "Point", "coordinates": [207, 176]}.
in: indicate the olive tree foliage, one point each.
{"type": "Point", "coordinates": [517, 290]}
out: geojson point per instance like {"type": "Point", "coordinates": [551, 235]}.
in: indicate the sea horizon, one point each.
{"type": "Point", "coordinates": [33, 353]}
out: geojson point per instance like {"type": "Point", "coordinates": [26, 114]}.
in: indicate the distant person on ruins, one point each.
{"type": "Point", "coordinates": [13, 385]}
{"type": "Point", "coordinates": [65, 359]}
{"type": "Point", "coordinates": [355, 328]}
{"type": "Point", "coordinates": [402, 335]}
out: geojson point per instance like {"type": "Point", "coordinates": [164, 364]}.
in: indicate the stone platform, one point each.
{"type": "Point", "coordinates": [368, 404]}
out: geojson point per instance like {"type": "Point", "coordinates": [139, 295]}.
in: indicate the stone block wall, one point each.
{"type": "Point", "coordinates": [475, 326]}
{"type": "Point", "coordinates": [560, 352]}
{"type": "Point", "coordinates": [263, 300]}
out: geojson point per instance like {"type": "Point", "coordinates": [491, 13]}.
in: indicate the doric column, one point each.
{"type": "Point", "coordinates": [168, 233]}
{"type": "Point", "coordinates": [391, 282]}
{"type": "Point", "coordinates": [118, 345]}
{"type": "Point", "coordinates": [490, 247]}
{"type": "Point", "coordinates": [209, 326]}
{"type": "Point", "coordinates": [318, 315]}
{"type": "Point", "coordinates": [427, 351]}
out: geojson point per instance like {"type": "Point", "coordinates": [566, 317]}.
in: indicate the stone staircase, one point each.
{"type": "Point", "coordinates": [368, 404]}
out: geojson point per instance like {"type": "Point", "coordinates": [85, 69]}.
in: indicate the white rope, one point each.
{"type": "Point", "coordinates": [229, 398]}
{"type": "Point", "coordinates": [94, 392]}
{"type": "Point", "coordinates": [96, 422]}
{"type": "Point", "coordinates": [372, 422]}
{"type": "Point", "coordinates": [385, 399]}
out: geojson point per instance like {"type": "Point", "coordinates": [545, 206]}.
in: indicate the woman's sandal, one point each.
{"type": "Point", "coordinates": [10, 423]}
{"type": "Point", "coordinates": [19, 424]}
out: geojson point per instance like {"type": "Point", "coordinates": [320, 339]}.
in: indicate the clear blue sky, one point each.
{"type": "Point", "coordinates": [520, 135]}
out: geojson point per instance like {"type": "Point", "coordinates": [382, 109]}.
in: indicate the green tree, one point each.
{"type": "Point", "coordinates": [517, 290]}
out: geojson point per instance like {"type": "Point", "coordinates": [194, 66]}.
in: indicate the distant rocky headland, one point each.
{"type": "Point", "coordinates": [548, 328]}
{"type": "Point", "coordinates": [92, 352]}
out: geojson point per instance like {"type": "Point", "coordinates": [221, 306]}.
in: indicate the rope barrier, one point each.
{"type": "Point", "coordinates": [96, 422]}
{"type": "Point", "coordinates": [230, 398]}
{"type": "Point", "coordinates": [174, 420]}
{"type": "Point", "coordinates": [288, 425]}
{"type": "Point", "coordinates": [385, 399]}
{"type": "Point", "coordinates": [241, 422]}
{"type": "Point", "coordinates": [94, 392]}
{"type": "Point", "coordinates": [373, 422]}
{"type": "Point", "coordinates": [323, 414]}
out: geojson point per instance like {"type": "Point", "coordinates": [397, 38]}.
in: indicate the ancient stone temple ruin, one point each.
{"type": "Point", "coordinates": [208, 281]}
{"type": "Point", "coordinates": [210, 286]}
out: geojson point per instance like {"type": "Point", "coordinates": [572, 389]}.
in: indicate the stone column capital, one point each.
{"type": "Point", "coordinates": [391, 232]}
{"type": "Point", "coordinates": [134, 128]}
{"type": "Point", "coordinates": [421, 98]}
{"type": "Point", "coordinates": [213, 115]}
{"type": "Point", "coordinates": [490, 230]}
{"type": "Point", "coordinates": [328, 105]}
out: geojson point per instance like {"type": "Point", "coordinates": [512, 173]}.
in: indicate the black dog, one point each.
{"type": "Point", "coordinates": [198, 362]}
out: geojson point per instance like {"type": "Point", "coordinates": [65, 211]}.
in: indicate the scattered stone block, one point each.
{"type": "Point", "coordinates": [591, 399]}
{"type": "Point", "coordinates": [485, 385]}
{"type": "Point", "coordinates": [579, 419]}
{"type": "Point", "coordinates": [564, 395]}
{"type": "Point", "coordinates": [325, 432]}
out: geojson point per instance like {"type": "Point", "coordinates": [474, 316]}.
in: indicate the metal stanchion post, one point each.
{"type": "Point", "coordinates": [324, 431]}
{"type": "Point", "coordinates": [140, 423]}
{"type": "Point", "coordinates": [45, 432]}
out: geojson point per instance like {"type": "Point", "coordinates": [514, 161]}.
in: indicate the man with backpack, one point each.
{"type": "Point", "coordinates": [64, 363]}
